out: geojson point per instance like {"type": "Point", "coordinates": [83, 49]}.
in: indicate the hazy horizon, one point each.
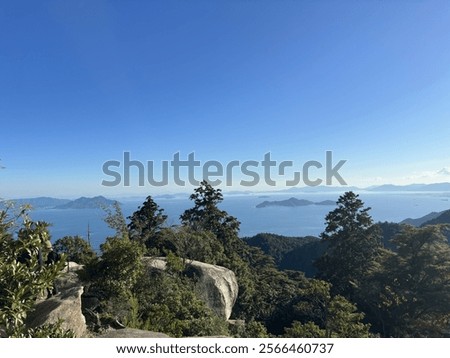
{"type": "Point", "coordinates": [297, 191]}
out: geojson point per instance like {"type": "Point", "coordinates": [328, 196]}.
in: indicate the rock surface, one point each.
{"type": "Point", "coordinates": [73, 267]}
{"type": "Point", "coordinates": [66, 306]}
{"type": "Point", "coordinates": [217, 285]}
{"type": "Point", "coordinates": [131, 333]}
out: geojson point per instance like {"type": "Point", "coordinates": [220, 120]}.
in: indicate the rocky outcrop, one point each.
{"type": "Point", "coordinates": [73, 267]}
{"type": "Point", "coordinates": [217, 285]}
{"type": "Point", "coordinates": [65, 306]}
{"type": "Point", "coordinates": [131, 333]}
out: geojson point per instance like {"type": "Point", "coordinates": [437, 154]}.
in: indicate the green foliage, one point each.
{"type": "Point", "coordinates": [175, 264]}
{"type": "Point", "coordinates": [206, 215]}
{"type": "Point", "coordinates": [50, 330]}
{"type": "Point", "coordinates": [251, 329]}
{"type": "Point", "coordinates": [169, 304]}
{"type": "Point", "coordinates": [353, 244]}
{"type": "Point", "coordinates": [303, 257]}
{"type": "Point", "coordinates": [227, 249]}
{"type": "Point", "coordinates": [265, 293]}
{"type": "Point", "coordinates": [192, 244]}
{"type": "Point", "coordinates": [388, 231]}
{"type": "Point", "coordinates": [132, 317]}
{"type": "Point", "coordinates": [326, 315]}
{"type": "Point", "coordinates": [270, 292]}
{"type": "Point", "coordinates": [75, 248]}
{"type": "Point", "coordinates": [304, 330]}
{"type": "Point", "coordinates": [118, 270]}
{"type": "Point", "coordinates": [159, 301]}
{"type": "Point", "coordinates": [344, 321]}
{"type": "Point", "coordinates": [278, 246]}
{"type": "Point", "coordinates": [146, 224]}
{"type": "Point", "coordinates": [6, 238]}
{"type": "Point", "coordinates": [409, 290]}
{"type": "Point", "coordinates": [23, 277]}
{"type": "Point", "coordinates": [443, 218]}
{"type": "Point", "coordinates": [115, 220]}
{"type": "Point", "coordinates": [112, 278]}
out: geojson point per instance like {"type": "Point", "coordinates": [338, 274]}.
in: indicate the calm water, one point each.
{"type": "Point", "coordinates": [291, 221]}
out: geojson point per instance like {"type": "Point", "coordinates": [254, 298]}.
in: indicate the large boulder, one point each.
{"type": "Point", "coordinates": [217, 285]}
{"type": "Point", "coordinates": [65, 306]}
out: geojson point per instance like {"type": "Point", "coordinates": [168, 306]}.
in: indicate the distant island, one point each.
{"type": "Point", "coordinates": [435, 187]}
{"type": "Point", "coordinates": [293, 202]}
{"type": "Point", "coordinates": [96, 202]}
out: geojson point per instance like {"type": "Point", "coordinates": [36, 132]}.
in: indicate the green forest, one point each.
{"type": "Point", "coordinates": [359, 279]}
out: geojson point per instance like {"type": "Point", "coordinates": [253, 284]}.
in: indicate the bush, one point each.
{"type": "Point", "coordinates": [23, 277]}
{"type": "Point", "coordinates": [76, 249]}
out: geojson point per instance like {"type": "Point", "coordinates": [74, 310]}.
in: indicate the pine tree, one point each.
{"type": "Point", "coordinates": [353, 243]}
{"type": "Point", "coordinates": [146, 223]}
{"type": "Point", "coordinates": [206, 215]}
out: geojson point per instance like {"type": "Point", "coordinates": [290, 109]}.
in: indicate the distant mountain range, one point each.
{"type": "Point", "coordinates": [293, 202]}
{"type": "Point", "coordinates": [320, 189]}
{"type": "Point", "coordinates": [54, 203]}
{"type": "Point", "coordinates": [439, 187]}
{"type": "Point", "coordinates": [83, 202]}
{"type": "Point", "coordinates": [436, 187]}
{"type": "Point", "coordinates": [434, 218]}
{"type": "Point", "coordinates": [40, 202]}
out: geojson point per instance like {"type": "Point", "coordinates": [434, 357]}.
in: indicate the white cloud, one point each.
{"type": "Point", "coordinates": [417, 177]}
{"type": "Point", "coordinates": [444, 171]}
{"type": "Point", "coordinates": [427, 177]}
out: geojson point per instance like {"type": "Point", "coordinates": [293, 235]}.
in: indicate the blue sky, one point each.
{"type": "Point", "coordinates": [83, 81]}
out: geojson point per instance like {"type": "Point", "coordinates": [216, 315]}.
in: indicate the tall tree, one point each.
{"type": "Point", "coordinates": [353, 243]}
{"type": "Point", "coordinates": [115, 220]}
{"type": "Point", "coordinates": [146, 223]}
{"type": "Point", "coordinates": [206, 215]}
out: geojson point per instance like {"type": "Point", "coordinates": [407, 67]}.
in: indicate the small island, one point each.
{"type": "Point", "coordinates": [293, 202]}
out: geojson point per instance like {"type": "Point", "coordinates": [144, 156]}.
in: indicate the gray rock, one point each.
{"type": "Point", "coordinates": [131, 333]}
{"type": "Point", "coordinates": [67, 280]}
{"type": "Point", "coordinates": [217, 285]}
{"type": "Point", "coordinates": [73, 267]}
{"type": "Point", "coordinates": [64, 306]}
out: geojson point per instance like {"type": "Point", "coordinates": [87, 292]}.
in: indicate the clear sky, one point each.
{"type": "Point", "coordinates": [83, 81]}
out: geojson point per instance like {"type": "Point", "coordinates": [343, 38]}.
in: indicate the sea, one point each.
{"type": "Point", "coordinates": [288, 221]}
